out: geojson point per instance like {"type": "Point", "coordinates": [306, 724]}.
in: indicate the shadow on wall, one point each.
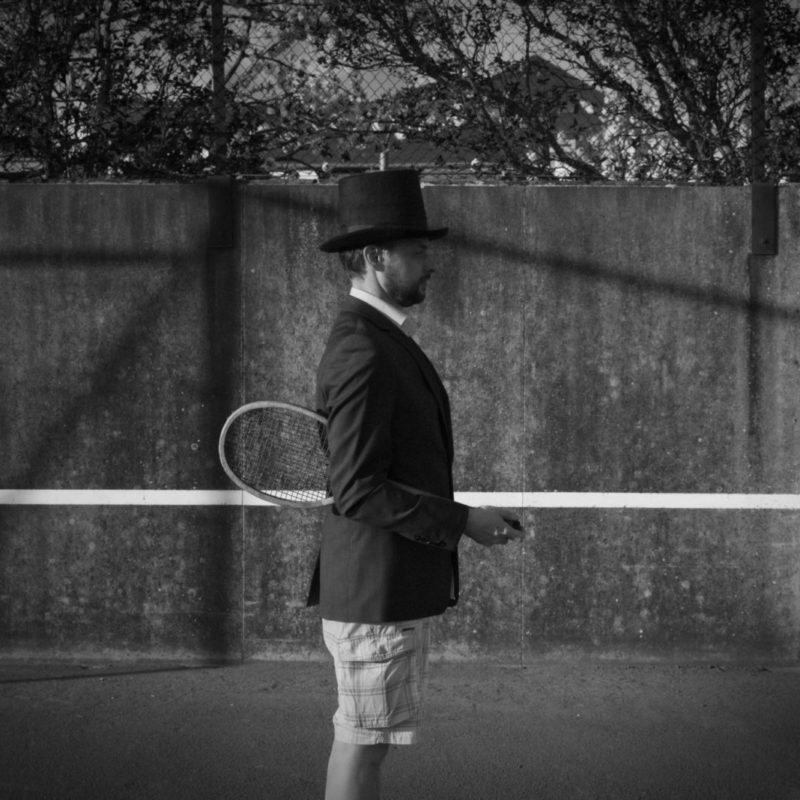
{"type": "Point", "coordinates": [149, 360]}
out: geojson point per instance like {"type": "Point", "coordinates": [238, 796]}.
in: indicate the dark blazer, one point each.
{"type": "Point", "coordinates": [387, 554]}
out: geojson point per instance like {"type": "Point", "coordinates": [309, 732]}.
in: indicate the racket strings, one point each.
{"type": "Point", "coordinates": [280, 453]}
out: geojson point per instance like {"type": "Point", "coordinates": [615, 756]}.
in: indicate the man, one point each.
{"type": "Point", "coordinates": [388, 558]}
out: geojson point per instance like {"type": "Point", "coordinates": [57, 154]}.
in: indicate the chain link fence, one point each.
{"type": "Point", "coordinates": [464, 91]}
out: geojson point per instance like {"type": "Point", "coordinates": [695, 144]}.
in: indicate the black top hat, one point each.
{"type": "Point", "coordinates": [377, 207]}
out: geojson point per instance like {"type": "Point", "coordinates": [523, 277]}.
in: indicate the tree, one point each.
{"type": "Point", "coordinates": [675, 77]}
{"type": "Point", "coordinates": [97, 87]}
{"type": "Point", "coordinates": [533, 89]}
{"type": "Point", "coordinates": [149, 88]}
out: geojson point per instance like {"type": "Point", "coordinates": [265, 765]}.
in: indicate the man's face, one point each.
{"type": "Point", "coordinates": [405, 273]}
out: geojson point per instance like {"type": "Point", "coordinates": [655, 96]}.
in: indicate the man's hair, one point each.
{"type": "Point", "coordinates": [353, 262]}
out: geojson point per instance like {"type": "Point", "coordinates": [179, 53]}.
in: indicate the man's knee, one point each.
{"type": "Point", "coordinates": [366, 754]}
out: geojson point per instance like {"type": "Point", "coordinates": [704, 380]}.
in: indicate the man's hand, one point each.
{"type": "Point", "coordinates": [491, 526]}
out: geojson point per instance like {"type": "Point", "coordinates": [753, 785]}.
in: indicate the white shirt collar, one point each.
{"type": "Point", "coordinates": [395, 314]}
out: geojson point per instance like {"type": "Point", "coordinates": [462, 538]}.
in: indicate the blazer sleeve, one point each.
{"type": "Point", "coordinates": [358, 391]}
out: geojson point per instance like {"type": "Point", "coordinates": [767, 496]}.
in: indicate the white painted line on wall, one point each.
{"type": "Point", "coordinates": [206, 497]}
{"type": "Point", "coordinates": [126, 497]}
{"type": "Point", "coordinates": [653, 500]}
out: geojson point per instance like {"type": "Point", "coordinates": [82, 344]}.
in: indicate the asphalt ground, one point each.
{"type": "Point", "coordinates": [555, 729]}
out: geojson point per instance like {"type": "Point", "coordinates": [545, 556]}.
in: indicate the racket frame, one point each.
{"type": "Point", "coordinates": [272, 499]}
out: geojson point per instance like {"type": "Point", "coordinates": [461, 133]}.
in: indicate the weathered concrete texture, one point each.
{"type": "Point", "coordinates": [776, 352]}
{"type": "Point", "coordinates": [281, 546]}
{"type": "Point", "coordinates": [636, 333]}
{"type": "Point", "coordinates": [646, 582]}
{"type": "Point", "coordinates": [116, 375]}
{"type": "Point", "coordinates": [472, 325]}
{"type": "Point", "coordinates": [290, 290]}
{"type": "Point", "coordinates": [109, 339]}
{"type": "Point", "coordinates": [591, 339]}
{"type": "Point", "coordinates": [115, 580]}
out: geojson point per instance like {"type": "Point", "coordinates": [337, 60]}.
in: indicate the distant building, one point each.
{"type": "Point", "coordinates": [576, 107]}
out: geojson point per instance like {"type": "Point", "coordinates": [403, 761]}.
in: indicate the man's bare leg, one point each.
{"type": "Point", "coordinates": [354, 771]}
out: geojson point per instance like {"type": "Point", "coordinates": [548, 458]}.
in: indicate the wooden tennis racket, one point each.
{"type": "Point", "coordinates": [277, 452]}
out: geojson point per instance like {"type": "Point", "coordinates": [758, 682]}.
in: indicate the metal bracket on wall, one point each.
{"type": "Point", "coordinates": [764, 219]}
{"type": "Point", "coordinates": [221, 215]}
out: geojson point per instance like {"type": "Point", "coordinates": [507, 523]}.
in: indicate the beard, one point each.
{"type": "Point", "coordinates": [405, 293]}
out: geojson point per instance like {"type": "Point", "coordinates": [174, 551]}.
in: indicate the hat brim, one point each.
{"type": "Point", "coordinates": [354, 240]}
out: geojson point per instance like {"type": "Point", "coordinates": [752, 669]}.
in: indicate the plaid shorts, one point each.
{"type": "Point", "coordinates": [380, 673]}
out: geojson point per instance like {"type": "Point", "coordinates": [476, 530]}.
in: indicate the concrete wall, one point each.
{"type": "Point", "coordinates": [592, 339]}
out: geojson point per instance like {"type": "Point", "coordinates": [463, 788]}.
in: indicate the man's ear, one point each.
{"type": "Point", "coordinates": [373, 255]}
